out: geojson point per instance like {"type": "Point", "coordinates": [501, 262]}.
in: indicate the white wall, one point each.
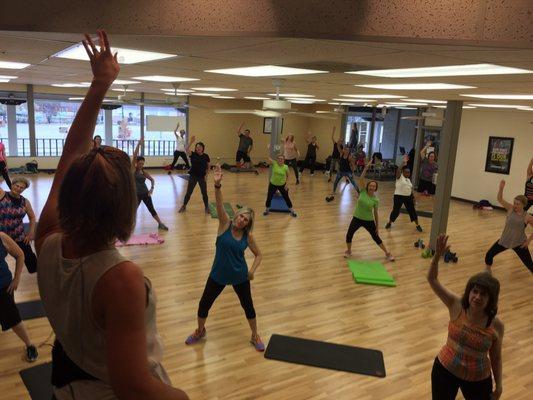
{"type": "Point", "coordinates": [470, 180]}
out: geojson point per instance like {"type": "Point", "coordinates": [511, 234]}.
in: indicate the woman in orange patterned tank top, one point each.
{"type": "Point", "coordinates": [473, 350]}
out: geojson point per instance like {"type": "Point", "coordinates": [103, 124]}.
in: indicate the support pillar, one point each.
{"type": "Point", "coordinates": [12, 130]}
{"type": "Point", "coordinates": [108, 123]}
{"type": "Point", "coordinates": [31, 120]}
{"type": "Point", "coordinates": [419, 139]}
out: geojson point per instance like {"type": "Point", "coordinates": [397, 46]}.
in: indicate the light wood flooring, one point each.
{"type": "Point", "coordinates": [303, 288]}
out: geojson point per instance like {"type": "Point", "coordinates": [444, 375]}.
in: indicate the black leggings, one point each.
{"type": "Point", "coordinates": [212, 290]}
{"type": "Point", "coordinates": [5, 175]}
{"type": "Point", "coordinates": [147, 200]}
{"type": "Point", "coordinates": [409, 205]}
{"type": "Point", "coordinates": [294, 164]}
{"type": "Point", "coordinates": [426, 186]}
{"type": "Point", "coordinates": [445, 385]}
{"type": "Point", "coordinates": [497, 248]}
{"type": "Point", "coordinates": [310, 163]}
{"type": "Point", "coordinates": [177, 155]}
{"type": "Point", "coordinates": [30, 260]}
{"type": "Point", "coordinates": [193, 180]}
{"type": "Point", "coordinates": [272, 189]}
{"type": "Point", "coordinates": [370, 226]}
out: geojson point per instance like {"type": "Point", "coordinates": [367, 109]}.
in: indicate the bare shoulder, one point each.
{"type": "Point", "coordinates": [123, 277]}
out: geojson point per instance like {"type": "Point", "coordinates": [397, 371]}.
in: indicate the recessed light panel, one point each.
{"type": "Point", "coordinates": [417, 86]}
{"type": "Point", "coordinates": [265, 70]}
{"type": "Point", "coordinates": [164, 78]}
{"type": "Point", "coordinates": [426, 101]}
{"type": "Point", "coordinates": [70, 85]}
{"type": "Point", "coordinates": [122, 90]}
{"type": "Point", "coordinates": [293, 95]}
{"type": "Point", "coordinates": [177, 91]}
{"type": "Point", "coordinates": [373, 96]}
{"type": "Point", "coordinates": [214, 89]}
{"type": "Point", "coordinates": [501, 96]}
{"type": "Point", "coordinates": [257, 98]}
{"type": "Point", "coordinates": [13, 65]}
{"type": "Point", "coordinates": [357, 100]}
{"type": "Point", "coordinates": [223, 97]}
{"type": "Point", "coordinates": [204, 94]}
{"type": "Point", "coordinates": [125, 56]}
{"type": "Point", "coordinates": [449, 70]}
{"type": "Point", "coordinates": [498, 106]}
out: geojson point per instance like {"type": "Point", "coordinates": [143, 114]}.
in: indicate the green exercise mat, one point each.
{"type": "Point", "coordinates": [373, 273]}
{"type": "Point", "coordinates": [227, 207]}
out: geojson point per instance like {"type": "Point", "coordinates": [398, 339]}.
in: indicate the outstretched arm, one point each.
{"type": "Point", "coordinates": [136, 152]}
{"type": "Point", "coordinates": [239, 130]}
{"type": "Point", "coordinates": [399, 169]}
{"type": "Point", "coordinates": [449, 299]}
{"type": "Point", "coordinates": [176, 130]}
{"type": "Point", "coordinates": [501, 200]}
{"type": "Point", "coordinates": [192, 139]}
{"type": "Point", "coordinates": [105, 69]}
{"type": "Point", "coordinates": [333, 135]}
{"type": "Point", "coordinates": [362, 180]}
{"type": "Point", "coordinates": [223, 219]}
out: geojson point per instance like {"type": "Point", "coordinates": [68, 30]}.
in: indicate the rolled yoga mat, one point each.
{"type": "Point", "coordinates": [326, 355]}
{"type": "Point", "coordinates": [37, 380]}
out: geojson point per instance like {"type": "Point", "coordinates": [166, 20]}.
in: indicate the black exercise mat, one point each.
{"type": "Point", "coordinates": [326, 355]}
{"type": "Point", "coordinates": [38, 381]}
{"type": "Point", "coordinates": [31, 309]}
{"type": "Point", "coordinates": [427, 214]}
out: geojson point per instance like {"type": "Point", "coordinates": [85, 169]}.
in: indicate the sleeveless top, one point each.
{"type": "Point", "coordinates": [5, 274]}
{"type": "Point", "coordinates": [12, 212]}
{"type": "Point", "coordinates": [229, 267]}
{"type": "Point", "coordinates": [404, 186]}
{"type": "Point", "coordinates": [66, 288]}
{"type": "Point", "coordinates": [140, 185]}
{"type": "Point", "coordinates": [514, 232]}
{"type": "Point", "coordinates": [465, 353]}
{"type": "Point", "coordinates": [529, 189]}
{"type": "Point", "coordinates": [311, 150]}
{"type": "Point", "coordinates": [344, 165]}
{"type": "Point", "coordinates": [289, 150]}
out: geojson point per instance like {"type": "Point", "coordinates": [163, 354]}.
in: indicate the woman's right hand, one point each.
{"type": "Point", "coordinates": [442, 246]}
{"type": "Point", "coordinates": [502, 184]}
{"type": "Point", "coordinates": [103, 63]}
{"type": "Point", "coordinates": [217, 174]}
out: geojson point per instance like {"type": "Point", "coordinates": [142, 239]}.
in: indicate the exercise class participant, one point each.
{"type": "Point", "coordinates": [291, 154]}
{"type": "Point", "coordinates": [13, 208]}
{"type": "Point", "coordinates": [474, 346]}
{"type": "Point", "coordinates": [9, 313]}
{"type": "Point", "coordinates": [180, 149]}
{"type": "Point", "coordinates": [310, 156]}
{"type": "Point", "coordinates": [529, 185]}
{"type": "Point", "coordinates": [97, 142]}
{"type": "Point", "coordinates": [245, 147]}
{"type": "Point", "coordinates": [3, 165]}
{"type": "Point", "coordinates": [428, 168]}
{"type": "Point", "coordinates": [335, 155]}
{"type": "Point", "coordinates": [366, 215]}
{"type": "Point", "coordinates": [514, 233]}
{"type": "Point", "coordinates": [200, 162]}
{"type": "Point", "coordinates": [229, 266]}
{"type": "Point", "coordinates": [403, 195]}
{"type": "Point", "coordinates": [103, 310]}
{"type": "Point", "coordinates": [278, 182]}
{"type": "Point", "coordinates": [143, 194]}
{"type": "Point", "coordinates": [345, 170]}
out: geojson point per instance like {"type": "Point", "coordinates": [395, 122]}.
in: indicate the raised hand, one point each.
{"type": "Point", "coordinates": [217, 174]}
{"type": "Point", "coordinates": [502, 184]}
{"type": "Point", "coordinates": [442, 246]}
{"type": "Point", "coordinates": [103, 64]}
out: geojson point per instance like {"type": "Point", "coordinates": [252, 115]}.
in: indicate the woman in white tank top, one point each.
{"type": "Point", "coordinates": [100, 305]}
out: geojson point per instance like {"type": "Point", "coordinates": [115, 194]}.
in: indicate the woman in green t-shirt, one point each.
{"type": "Point", "coordinates": [278, 181]}
{"type": "Point", "coordinates": [366, 215]}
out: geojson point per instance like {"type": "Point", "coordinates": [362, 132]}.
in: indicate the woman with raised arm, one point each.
{"type": "Point", "coordinates": [143, 194]}
{"type": "Point", "coordinates": [180, 149]}
{"type": "Point", "coordinates": [366, 215]}
{"type": "Point", "coordinates": [428, 168]}
{"type": "Point", "coordinates": [346, 167]}
{"type": "Point", "coordinates": [514, 233]}
{"type": "Point", "coordinates": [335, 155]}
{"type": "Point", "coordinates": [291, 154]}
{"type": "Point", "coordinates": [229, 267]}
{"type": "Point", "coordinates": [403, 195]}
{"type": "Point", "coordinates": [310, 156]}
{"type": "Point", "coordinates": [474, 346]}
{"type": "Point", "coordinates": [200, 163]}
{"type": "Point", "coordinates": [99, 304]}
{"type": "Point", "coordinates": [529, 185]}
{"type": "Point", "coordinates": [278, 182]}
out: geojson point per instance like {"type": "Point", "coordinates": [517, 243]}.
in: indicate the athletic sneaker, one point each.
{"type": "Point", "coordinates": [258, 343]}
{"type": "Point", "coordinates": [182, 209]}
{"type": "Point", "coordinates": [31, 353]}
{"type": "Point", "coordinates": [169, 172]}
{"type": "Point", "coordinates": [293, 214]}
{"type": "Point", "coordinates": [419, 228]}
{"type": "Point", "coordinates": [347, 255]}
{"type": "Point", "coordinates": [195, 337]}
{"type": "Point", "coordinates": [207, 211]}
{"type": "Point", "coordinates": [162, 226]}
{"type": "Point", "coordinates": [312, 174]}
{"type": "Point", "coordinates": [330, 198]}
{"type": "Point", "coordinates": [266, 212]}
{"type": "Point", "coordinates": [388, 226]}
{"type": "Point", "coordinates": [390, 257]}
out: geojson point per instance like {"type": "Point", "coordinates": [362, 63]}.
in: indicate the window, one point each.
{"type": "Point", "coordinates": [52, 122]}
{"type": "Point", "coordinates": [126, 127]}
{"type": "Point", "coordinates": [161, 143]}
{"type": "Point", "coordinates": [3, 127]}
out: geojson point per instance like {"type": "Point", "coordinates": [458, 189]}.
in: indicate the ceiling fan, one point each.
{"type": "Point", "coordinates": [274, 107]}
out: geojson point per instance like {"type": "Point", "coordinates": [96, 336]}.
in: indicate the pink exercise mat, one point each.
{"type": "Point", "coordinates": [145, 238]}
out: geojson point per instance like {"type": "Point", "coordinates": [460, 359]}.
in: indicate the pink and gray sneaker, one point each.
{"type": "Point", "coordinates": [258, 343]}
{"type": "Point", "coordinates": [195, 337]}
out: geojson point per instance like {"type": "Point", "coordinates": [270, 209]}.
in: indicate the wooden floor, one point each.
{"type": "Point", "coordinates": [303, 288]}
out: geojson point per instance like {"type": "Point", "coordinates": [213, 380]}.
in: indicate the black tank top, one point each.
{"type": "Point", "coordinates": [344, 165]}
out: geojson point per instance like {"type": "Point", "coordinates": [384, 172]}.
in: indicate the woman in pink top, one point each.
{"type": "Point", "coordinates": [3, 165]}
{"type": "Point", "coordinates": [291, 154]}
{"type": "Point", "coordinates": [473, 349]}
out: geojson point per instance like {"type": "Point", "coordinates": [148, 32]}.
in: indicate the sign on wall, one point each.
{"type": "Point", "coordinates": [499, 154]}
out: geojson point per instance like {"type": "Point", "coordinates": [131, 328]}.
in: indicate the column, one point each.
{"type": "Point", "coordinates": [419, 139]}
{"type": "Point", "coordinates": [12, 130]}
{"type": "Point", "coordinates": [108, 123]}
{"type": "Point", "coordinates": [31, 120]}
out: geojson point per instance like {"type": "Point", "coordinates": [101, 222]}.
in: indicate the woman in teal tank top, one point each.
{"type": "Point", "coordinates": [366, 215]}
{"type": "Point", "coordinates": [229, 266]}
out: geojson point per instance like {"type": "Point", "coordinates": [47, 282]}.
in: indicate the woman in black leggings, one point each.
{"type": "Point", "coordinates": [514, 234]}
{"type": "Point", "coordinates": [310, 156]}
{"type": "Point", "coordinates": [3, 165]}
{"type": "Point", "coordinates": [200, 162]}
{"type": "Point", "coordinates": [143, 194]}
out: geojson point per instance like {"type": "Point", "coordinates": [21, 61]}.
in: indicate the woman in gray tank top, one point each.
{"type": "Point", "coordinates": [514, 233]}
{"type": "Point", "coordinates": [100, 306]}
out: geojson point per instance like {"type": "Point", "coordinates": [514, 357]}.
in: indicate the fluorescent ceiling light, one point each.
{"type": "Point", "coordinates": [501, 96]}
{"type": "Point", "coordinates": [124, 82]}
{"type": "Point", "coordinates": [257, 98]}
{"type": "Point", "coordinates": [83, 98]}
{"type": "Point", "coordinates": [468, 107]}
{"type": "Point", "coordinates": [357, 100]}
{"type": "Point", "coordinates": [214, 89]}
{"type": "Point", "coordinates": [449, 70]}
{"type": "Point", "coordinates": [498, 106]}
{"type": "Point", "coordinates": [342, 104]}
{"type": "Point", "coordinates": [265, 70]}
{"type": "Point", "coordinates": [122, 90]}
{"type": "Point", "coordinates": [4, 80]}
{"type": "Point", "coordinates": [125, 56]}
{"type": "Point", "coordinates": [301, 101]}
{"type": "Point", "coordinates": [71, 85]}
{"type": "Point", "coordinates": [204, 94]}
{"type": "Point", "coordinates": [417, 86]}
{"type": "Point", "coordinates": [303, 98]}
{"type": "Point", "coordinates": [178, 90]}
{"type": "Point", "coordinates": [427, 101]}
{"type": "Point", "coordinates": [13, 65]}
{"type": "Point", "coordinates": [406, 108]}
{"type": "Point", "coordinates": [373, 96]}
{"type": "Point", "coordinates": [223, 97]}
{"type": "Point", "coordinates": [293, 95]}
{"type": "Point", "coordinates": [163, 78]}
{"type": "Point", "coordinates": [407, 104]}
{"type": "Point", "coordinates": [8, 77]}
